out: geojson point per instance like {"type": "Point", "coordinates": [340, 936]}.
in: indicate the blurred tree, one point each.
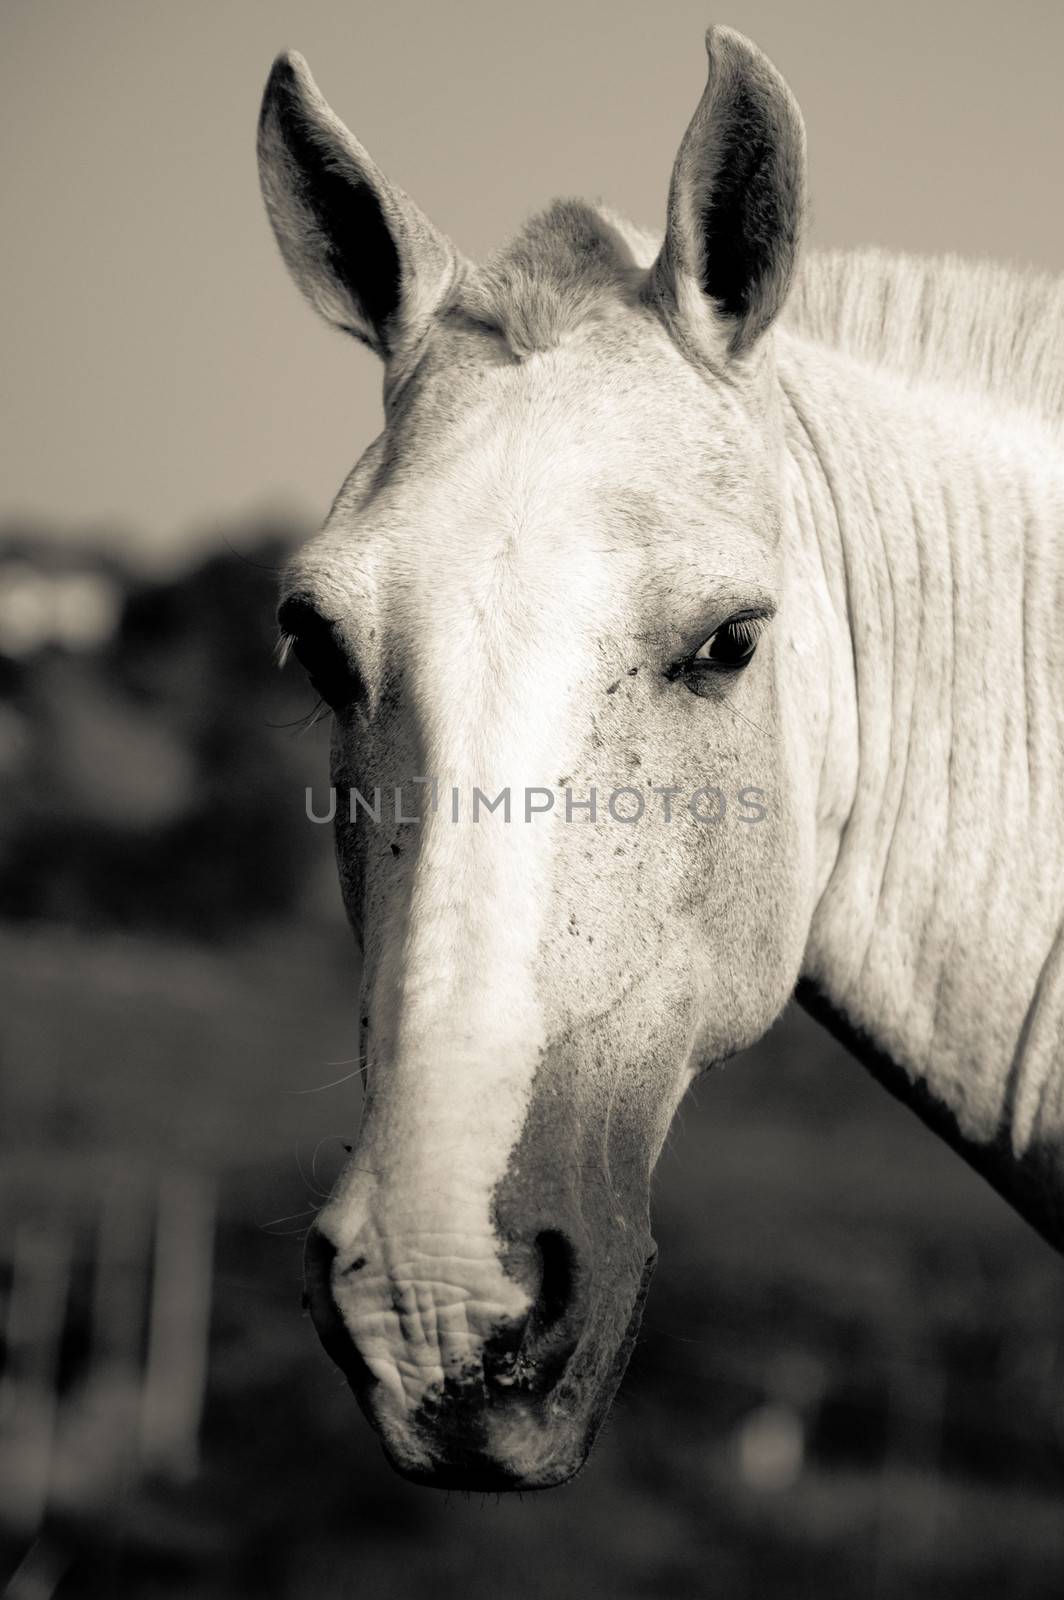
{"type": "Point", "coordinates": [153, 775]}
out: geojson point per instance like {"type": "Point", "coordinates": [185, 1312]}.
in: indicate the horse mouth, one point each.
{"type": "Point", "coordinates": [463, 1436]}
{"type": "Point", "coordinates": [484, 1448]}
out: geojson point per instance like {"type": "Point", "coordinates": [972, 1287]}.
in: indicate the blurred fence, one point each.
{"type": "Point", "coordinates": [106, 1319]}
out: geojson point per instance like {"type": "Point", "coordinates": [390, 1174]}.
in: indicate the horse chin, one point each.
{"type": "Point", "coordinates": [451, 1444]}
{"type": "Point", "coordinates": [514, 1453]}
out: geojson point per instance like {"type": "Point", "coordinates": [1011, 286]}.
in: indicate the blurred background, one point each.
{"type": "Point", "coordinates": [851, 1374]}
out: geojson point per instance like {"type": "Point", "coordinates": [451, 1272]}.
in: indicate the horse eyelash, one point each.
{"type": "Point", "coordinates": [317, 714]}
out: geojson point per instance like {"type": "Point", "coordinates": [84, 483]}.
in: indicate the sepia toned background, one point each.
{"type": "Point", "coordinates": [851, 1376]}
{"type": "Point", "coordinates": [162, 373]}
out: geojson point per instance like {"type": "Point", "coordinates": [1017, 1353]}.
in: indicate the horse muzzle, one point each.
{"type": "Point", "coordinates": [470, 1390]}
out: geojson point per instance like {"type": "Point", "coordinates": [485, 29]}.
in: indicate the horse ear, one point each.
{"type": "Point", "coordinates": [736, 200]}
{"type": "Point", "coordinates": [360, 250]}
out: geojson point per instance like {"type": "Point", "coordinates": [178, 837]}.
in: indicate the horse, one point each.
{"type": "Point", "coordinates": [700, 608]}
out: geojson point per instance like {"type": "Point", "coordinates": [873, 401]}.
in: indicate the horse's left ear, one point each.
{"type": "Point", "coordinates": [736, 202]}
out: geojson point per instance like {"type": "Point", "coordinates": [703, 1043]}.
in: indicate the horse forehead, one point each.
{"type": "Point", "coordinates": [538, 490]}
{"type": "Point", "coordinates": [606, 388]}
{"type": "Point", "coordinates": [544, 497]}
{"type": "Point", "coordinates": [531, 472]}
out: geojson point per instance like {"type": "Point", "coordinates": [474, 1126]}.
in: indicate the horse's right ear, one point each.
{"type": "Point", "coordinates": [360, 250]}
{"type": "Point", "coordinates": [736, 204]}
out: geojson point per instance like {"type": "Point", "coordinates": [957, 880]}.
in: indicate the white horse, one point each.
{"type": "Point", "coordinates": [795, 585]}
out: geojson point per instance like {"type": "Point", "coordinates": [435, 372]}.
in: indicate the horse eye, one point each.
{"type": "Point", "coordinates": [317, 647]}
{"type": "Point", "coordinates": [731, 647]}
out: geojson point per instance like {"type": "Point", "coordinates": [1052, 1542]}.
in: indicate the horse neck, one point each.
{"type": "Point", "coordinates": [936, 948]}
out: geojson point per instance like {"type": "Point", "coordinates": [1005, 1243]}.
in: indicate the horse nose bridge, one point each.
{"type": "Point", "coordinates": [453, 968]}
{"type": "Point", "coordinates": [477, 848]}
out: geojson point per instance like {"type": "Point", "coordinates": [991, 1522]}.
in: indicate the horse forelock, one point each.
{"type": "Point", "coordinates": [570, 264]}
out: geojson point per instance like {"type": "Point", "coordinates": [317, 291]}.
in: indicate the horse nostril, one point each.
{"type": "Point", "coordinates": [528, 1357]}
{"type": "Point", "coordinates": [319, 1254]}
{"type": "Point", "coordinates": [557, 1265]}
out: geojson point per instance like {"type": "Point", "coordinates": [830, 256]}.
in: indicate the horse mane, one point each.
{"type": "Point", "coordinates": [972, 325]}
{"type": "Point", "coordinates": [976, 326]}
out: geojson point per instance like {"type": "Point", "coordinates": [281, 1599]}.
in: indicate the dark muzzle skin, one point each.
{"type": "Point", "coordinates": [526, 1424]}
{"type": "Point", "coordinates": [571, 1223]}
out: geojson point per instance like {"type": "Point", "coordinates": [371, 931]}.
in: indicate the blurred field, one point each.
{"type": "Point", "coordinates": [850, 1380]}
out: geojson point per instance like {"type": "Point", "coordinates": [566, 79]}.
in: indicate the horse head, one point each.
{"type": "Point", "coordinates": [574, 830]}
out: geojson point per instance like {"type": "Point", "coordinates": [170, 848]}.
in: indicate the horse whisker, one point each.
{"type": "Point", "coordinates": [359, 1071]}
{"type": "Point", "coordinates": [309, 1211]}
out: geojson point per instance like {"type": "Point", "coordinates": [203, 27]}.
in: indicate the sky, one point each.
{"type": "Point", "coordinates": [162, 376]}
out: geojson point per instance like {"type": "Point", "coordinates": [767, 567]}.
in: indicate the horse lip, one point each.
{"type": "Point", "coordinates": [484, 1474]}
{"type": "Point", "coordinates": [502, 1447]}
